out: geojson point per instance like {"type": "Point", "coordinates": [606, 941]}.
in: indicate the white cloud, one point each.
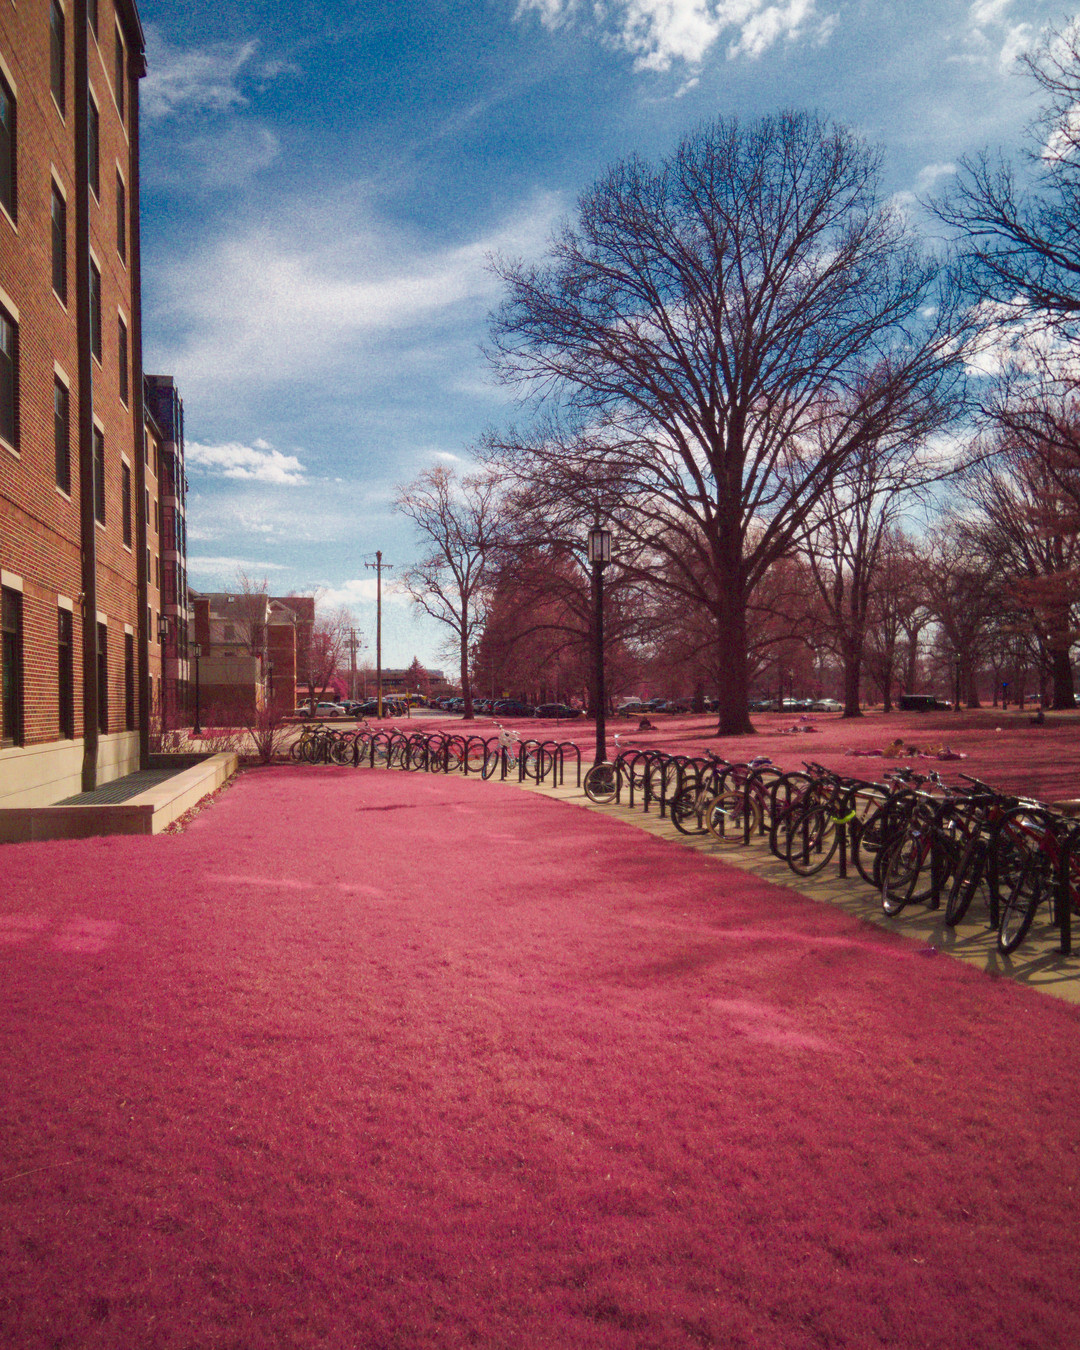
{"type": "Point", "coordinates": [1010, 39]}
{"type": "Point", "coordinates": [192, 79]}
{"type": "Point", "coordinates": [215, 566]}
{"type": "Point", "coordinates": [318, 289]}
{"type": "Point", "coordinates": [659, 33]}
{"type": "Point", "coordinates": [363, 591]}
{"type": "Point", "coordinates": [259, 462]}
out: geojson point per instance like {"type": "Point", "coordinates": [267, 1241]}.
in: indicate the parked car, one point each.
{"type": "Point", "coordinates": [329, 710]}
{"type": "Point", "coordinates": [826, 705]}
{"type": "Point", "coordinates": [561, 711]}
{"type": "Point", "coordinates": [922, 703]}
{"type": "Point", "coordinates": [510, 707]}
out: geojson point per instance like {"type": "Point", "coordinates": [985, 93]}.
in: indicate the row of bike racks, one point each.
{"type": "Point", "coordinates": [648, 777]}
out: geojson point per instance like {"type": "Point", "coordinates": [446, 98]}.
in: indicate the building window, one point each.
{"type": "Point", "coordinates": [93, 133]}
{"type": "Point", "coordinates": [59, 243]}
{"type": "Point", "coordinates": [125, 502]}
{"type": "Point", "coordinates": [121, 217]}
{"type": "Point", "coordinates": [9, 379]}
{"type": "Point", "coordinates": [57, 66]}
{"type": "Point", "coordinates": [103, 677]}
{"type": "Point", "coordinates": [95, 311]}
{"type": "Point", "coordinates": [99, 476]}
{"type": "Point", "coordinates": [122, 354]}
{"type": "Point", "coordinates": [65, 672]}
{"type": "Point", "coordinates": [7, 148]}
{"type": "Point", "coordinates": [62, 435]}
{"type": "Point", "coordinates": [129, 682]}
{"type": "Point", "coordinates": [149, 575]}
{"type": "Point", "coordinates": [92, 15]}
{"type": "Point", "coordinates": [118, 73]}
{"type": "Point", "coordinates": [11, 661]}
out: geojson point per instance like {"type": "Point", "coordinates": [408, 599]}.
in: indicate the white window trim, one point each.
{"type": "Point", "coordinates": [62, 602]}
{"type": "Point", "coordinates": [11, 580]}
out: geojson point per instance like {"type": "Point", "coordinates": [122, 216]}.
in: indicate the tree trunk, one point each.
{"type": "Point", "coordinates": [851, 656]}
{"type": "Point", "coordinates": [466, 684]}
{"type": "Point", "coordinates": [734, 689]}
{"type": "Point", "coordinates": [1061, 674]}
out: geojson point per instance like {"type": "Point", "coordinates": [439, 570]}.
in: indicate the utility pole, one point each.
{"type": "Point", "coordinates": [377, 567]}
{"type": "Point", "coordinates": [354, 642]}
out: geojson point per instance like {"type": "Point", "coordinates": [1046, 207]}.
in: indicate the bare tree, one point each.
{"type": "Point", "coordinates": [250, 613]}
{"type": "Point", "coordinates": [1022, 234]}
{"type": "Point", "coordinates": [844, 542]}
{"type": "Point", "coordinates": [710, 343]}
{"type": "Point", "coordinates": [1028, 532]}
{"type": "Point", "coordinates": [458, 524]}
{"type": "Point", "coordinates": [322, 649]}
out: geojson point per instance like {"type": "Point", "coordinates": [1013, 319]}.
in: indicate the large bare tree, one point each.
{"type": "Point", "coordinates": [457, 521]}
{"type": "Point", "coordinates": [709, 342]}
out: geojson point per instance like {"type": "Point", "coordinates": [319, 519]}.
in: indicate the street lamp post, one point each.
{"type": "Point", "coordinates": [163, 637]}
{"type": "Point", "coordinates": [599, 556]}
{"type": "Point", "coordinates": [196, 652]}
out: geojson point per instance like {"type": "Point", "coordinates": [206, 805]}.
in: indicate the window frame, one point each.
{"type": "Point", "coordinates": [9, 383]}
{"type": "Point", "coordinates": [62, 446]}
{"type": "Point", "coordinates": [93, 145]}
{"type": "Point", "coordinates": [129, 681]}
{"type": "Point", "coordinates": [12, 673]}
{"type": "Point", "coordinates": [9, 153]}
{"type": "Point", "coordinates": [58, 55]}
{"type": "Point", "coordinates": [65, 672]}
{"type": "Point", "coordinates": [103, 676]}
{"type": "Point", "coordinates": [59, 238]}
{"type": "Point", "coordinates": [95, 312]}
{"type": "Point", "coordinates": [125, 503]}
{"type": "Point", "coordinates": [120, 73]}
{"type": "Point", "coordinates": [123, 359]}
{"type": "Point", "coordinates": [121, 217]}
{"type": "Point", "coordinates": [98, 443]}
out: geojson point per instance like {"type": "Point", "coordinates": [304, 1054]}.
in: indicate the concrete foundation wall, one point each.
{"type": "Point", "coordinates": [38, 775]}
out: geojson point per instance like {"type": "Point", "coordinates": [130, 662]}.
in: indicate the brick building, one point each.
{"type": "Point", "coordinates": [79, 476]}
{"type": "Point", "coordinates": [252, 647]}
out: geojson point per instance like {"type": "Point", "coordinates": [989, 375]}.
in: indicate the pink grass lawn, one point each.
{"type": "Point", "coordinates": [371, 1060]}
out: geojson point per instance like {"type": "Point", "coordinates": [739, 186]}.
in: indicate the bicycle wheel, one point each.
{"type": "Point", "coordinates": [867, 835]}
{"type": "Point", "coordinates": [1020, 901]}
{"type": "Point", "coordinates": [601, 783]}
{"type": "Point", "coordinates": [729, 815]}
{"type": "Point", "coordinates": [969, 873]}
{"type": "Point", "coordinates": [492, 756]}
{"type": "Point", "coordinates": [908, 860]}
{"type": "Point", "coordinates": [685, 813]}
{"type": "Point", "coordinates": [809, 840]}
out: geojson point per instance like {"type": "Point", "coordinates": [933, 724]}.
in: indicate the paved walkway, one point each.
{"type": "Point", "coordinates": [1038, 962]}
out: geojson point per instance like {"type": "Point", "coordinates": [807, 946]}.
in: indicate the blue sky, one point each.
{"type": "Point", "coordinates": [323, 181]}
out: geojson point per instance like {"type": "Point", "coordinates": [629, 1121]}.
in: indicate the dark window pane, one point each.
{"type": "Point", "coordinates": [103, 677]}
{"type": "Point", "coordinates": [59, 244]}
{"type": "Point", "coordinates": [94, 148]}
{"type": "Point", "coordinates": [95, 311]}
{"type": "Point", "coordinates": [62, 435]}
{"type": "Point", "coordinates": [118, 74]}
{"type": "Point", "coordinates": [99, 476]}
{"type": "Point", "coordinates": [125, 503]}
{"type": "Point", "coordinates": [92, 15]}
{"type": "Point", "coordinates": [11, 660]}
{"type": "Point", "coordinates": [129, 682]}
{"type": "Point", "coordinates": [122, 355]}
{"type": "Point", "coordinates": [65, 665]}
{"type": "Point", "coordinates": [56, 53]}
{"type": "Point", "coordinates": [9, 379]}
{"type": "Point", "coordinates": [121, 217]}
{"type": "Point", "coordinates": [7, 148]}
